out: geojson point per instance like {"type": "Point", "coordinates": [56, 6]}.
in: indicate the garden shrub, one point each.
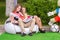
{"type": "Point", "coordinates": [39, 8]}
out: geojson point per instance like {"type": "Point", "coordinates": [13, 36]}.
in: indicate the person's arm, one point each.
{"type": "Point", "coordinates": [12, 19]}
{"type": "Point", "coordinates": [25, 15]}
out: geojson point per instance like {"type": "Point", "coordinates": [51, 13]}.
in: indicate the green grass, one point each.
{"type": "Point", "coordinates": [37, 36]}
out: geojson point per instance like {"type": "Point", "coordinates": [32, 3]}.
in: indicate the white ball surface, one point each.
{"type": "Point", "coordinates": [11, 28]}
{"type": "Point", "coordinates": [54, 28]}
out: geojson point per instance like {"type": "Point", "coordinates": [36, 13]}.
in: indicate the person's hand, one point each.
{"type": "Point", "coordinates": [50, 13]}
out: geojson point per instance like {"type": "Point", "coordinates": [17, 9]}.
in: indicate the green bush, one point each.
{"type": "Point", "coordinates": [2, 0]}
{"type": "Point", "coordinates": [34, 7]}
{"type": "Point", "coordinates": [39, 8]}
{"type": "Point", "coordinates": [2, 13]}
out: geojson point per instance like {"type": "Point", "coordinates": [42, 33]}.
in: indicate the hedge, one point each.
{"type": "Point", "coordinates": [2, 13]}
{"type": "Point", "coordinates": [39, 8]}
{"type": "Point", "coordinates": [35, 7]}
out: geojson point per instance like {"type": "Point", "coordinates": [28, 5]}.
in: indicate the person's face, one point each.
{"type": "Point", "coordinates": [23, 10]}
{"type": "Point", "coordinates": [18, 8]}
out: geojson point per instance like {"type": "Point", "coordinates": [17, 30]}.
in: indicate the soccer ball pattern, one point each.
{"type": "Point", "coordinates": [54, 28]}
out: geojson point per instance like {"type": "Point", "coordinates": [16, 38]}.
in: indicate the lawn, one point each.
{"type": "Point", "coordinates": [37, 36]}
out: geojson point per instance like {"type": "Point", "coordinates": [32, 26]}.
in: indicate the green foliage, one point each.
{"type": "Point", "coordinates": [40, 8]}
{"type": "Point", "coordinates": [34, 7]}
{"type": "Point", "coordinates": [2, 13]}
{"type": "Point", "coordinates": [2, 0]}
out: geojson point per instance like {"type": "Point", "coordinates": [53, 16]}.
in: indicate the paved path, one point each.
{"type": "Point", "coordinates": [2, 28]}
{"type": "Point", "coordinates": [47, 28]}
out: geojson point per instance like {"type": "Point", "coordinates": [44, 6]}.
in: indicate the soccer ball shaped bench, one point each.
{"type": "Point", "coordinates": [12, 28]}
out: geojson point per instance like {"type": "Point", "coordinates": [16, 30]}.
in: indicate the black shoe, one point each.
{"type": "Point", "coordinates": [23, 34]}
{"type": "Point", "coordinates": [42, 30]}
{"type": "Point", "coordinates": [18, 32]}
{"type": "Point", "coordinates": [33, 32]}
{"type": "Point", "coordinates": [30, 34]}
{"type": "Point", "coordinates": [57, 31]}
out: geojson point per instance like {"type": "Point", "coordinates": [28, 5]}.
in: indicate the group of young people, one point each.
{"type": "Point", "coordinates": [20, 17]}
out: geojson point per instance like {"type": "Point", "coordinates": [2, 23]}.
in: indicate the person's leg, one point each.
{"type": "Point", "coordinates": [21, 24]}
{"type": "Point", "coordinates": [26, 25]}
{"type": "Point", "coordinates": [39, 23]}
{"type": "Point", "coordinates": [32, 26]}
